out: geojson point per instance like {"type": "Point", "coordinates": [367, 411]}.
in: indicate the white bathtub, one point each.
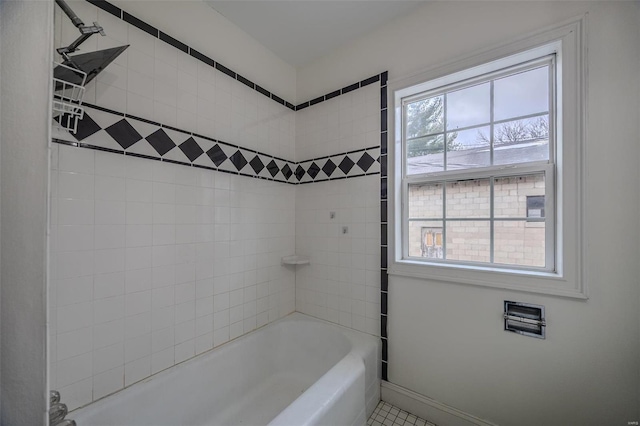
{"type": "Point", "coordinates": [296, 371]}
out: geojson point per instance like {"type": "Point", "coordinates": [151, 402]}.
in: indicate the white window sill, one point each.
{"type": "Point", "coordinates": [547, 283]}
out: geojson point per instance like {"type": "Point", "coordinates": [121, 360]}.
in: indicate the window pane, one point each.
{"type": "Point", "coordinates": [425, 239]}
{"type": "Point", "coordinates": [424, 117]}
{"type": "Point", "coordinates": [468, 199]}
{"type": "Point", "coordinates": [535, 206]}
{"type": "Point", "coordinates": [425, 155]}
{"type": "Point", "coordinates": [511, 193]}
{"type": "Point", "coordinates": [519, 243]}
{"type": "Point", "coordinates": [469, 107]}
{"type": "Point", "coordinates": [468, 148]}
{"type": "Point", "coordinates": [425, 201]}
{"type": "Point", "coordinates": [520, 141]}
{"type": "Point", "coordinates": [521, 94]}
{"type": "Point", "coordinates": [468, 241]}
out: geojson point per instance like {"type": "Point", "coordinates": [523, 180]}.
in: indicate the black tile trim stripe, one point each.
{"type": "Point", "coordinates": [202, 58]}
{"type": "Point", "coordinates": [150, 29]}
{"type": "Point", "coordinates": [370, 80]}
{"type": "Point", "coordinates": [350, 88]}
{"type": "Point", "coordinates": [263, 91]}
{"type": "Point", "coordinates": [277, 99]}
{"type": "Point", "coordinates": [225, 70]}
{"type": "Point", "coordinates": [336, 93]}
{"type": "Point", "coordinates": [107, 7]}
{"type": "Point", "coordinates": [173, 42]}
{"type": "Point", "coordinates": [384, 277]}
{"type": "Point", "coordinates": [316, 100]}
{"type": "Point", "coordinates": [110, 111]}
{"type": "Point", "coordinates": [331, 95]}
{"type": "Point", "coordinates": [246, 81]}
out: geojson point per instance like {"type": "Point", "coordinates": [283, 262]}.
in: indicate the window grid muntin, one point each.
{"type": "Point", "coordinates": [474, 81]}
{"type": "Point", "coordinates": [485, 124]}
{"type": "Point", "coordinates": [545, 61]}
{"type": "Point", "coordinates": [520, 170]}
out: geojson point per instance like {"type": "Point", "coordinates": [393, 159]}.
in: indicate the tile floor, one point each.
{"type": "Point", "coordinates": [386, 414]}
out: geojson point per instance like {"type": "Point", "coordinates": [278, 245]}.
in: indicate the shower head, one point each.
{"type": "Point", "coordinates": [91, 63]}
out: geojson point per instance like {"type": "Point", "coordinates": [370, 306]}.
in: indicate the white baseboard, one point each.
{"type": "Point", "coordinates": [427, 408]}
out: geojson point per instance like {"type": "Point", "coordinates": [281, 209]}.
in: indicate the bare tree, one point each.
{"type": "Point", "coordinates": [539, 129]}
{"type": "Point", "coordinates": [517, 131]}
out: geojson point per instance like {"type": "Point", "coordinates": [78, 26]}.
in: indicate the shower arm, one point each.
{"type": "Point", "coordinates": [85, 31]}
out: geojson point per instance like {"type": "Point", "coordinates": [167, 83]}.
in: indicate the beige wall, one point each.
{"type": "Point", "coordinates": [586, 371]}
{"type": "Point", "coordinates": [25, 47]}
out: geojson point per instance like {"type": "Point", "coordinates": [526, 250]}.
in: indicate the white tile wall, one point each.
{"type": "Point", "coordinates": [153, 263]}
{"type": "Point", "coordinates": [342, 282]}
{"type": "Point", "coordinates": [345, 123]}
{"type": "Point", "coordinates": [156, 81]}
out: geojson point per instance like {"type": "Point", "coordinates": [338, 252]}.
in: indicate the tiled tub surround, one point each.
{"type": "Point", "coordinates": [153, 263]}
{"type": "Point", "coordinates": [296, 371]}
{"type": "Point", "coordinates": [122, 148]}
{"type": "Point", "coordinates": [189, 106]}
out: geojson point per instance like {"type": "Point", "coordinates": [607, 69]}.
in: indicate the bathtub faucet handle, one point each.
{"type": "Point", "coordinates": [54, 397]}
{"type": "Point", "coordinates": [57, 413]}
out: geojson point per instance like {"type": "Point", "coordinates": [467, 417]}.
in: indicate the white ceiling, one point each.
{"type": "Point", "coordinates": [300, 31]}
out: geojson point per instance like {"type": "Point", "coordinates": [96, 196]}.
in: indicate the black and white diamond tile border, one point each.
{"type": "Point", "coordinates": [386, 414]}
{"type": "Point", "coordinates": [112, 131]}
{"type": "Point", "coordinates": [363, 162]}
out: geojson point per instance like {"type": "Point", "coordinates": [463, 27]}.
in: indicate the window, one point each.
{"type": "Point", "coordinates": [471, 150]}
{"type": "Point", "coordinates": [482, 160]}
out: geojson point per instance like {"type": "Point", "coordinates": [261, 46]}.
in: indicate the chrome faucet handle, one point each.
{"type": "Point", "coordinates": [66, 423]}
{"type": "Point", "coordinates": [54, 397]}
{"type": "Point", "coordinates": [57, 412]}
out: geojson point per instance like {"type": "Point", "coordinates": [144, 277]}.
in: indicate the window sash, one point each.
{"type": "Point", "coordinates": [491, 173]}
{"type": "Point", "coordinates": [547, 60]}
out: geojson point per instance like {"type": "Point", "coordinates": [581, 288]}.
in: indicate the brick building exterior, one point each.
{"type": "Point", "coordinates": [516, 242]}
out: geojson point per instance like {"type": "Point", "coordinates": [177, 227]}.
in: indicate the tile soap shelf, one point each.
{"type": "Point", "coordinates": [295, 260]}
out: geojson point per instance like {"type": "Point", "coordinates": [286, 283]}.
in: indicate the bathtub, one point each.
{"type": "Point", "coordinates": [296, 371]}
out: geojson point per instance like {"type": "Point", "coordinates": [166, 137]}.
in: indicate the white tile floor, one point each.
{"type": "Point", "coordinates": [386, 414]}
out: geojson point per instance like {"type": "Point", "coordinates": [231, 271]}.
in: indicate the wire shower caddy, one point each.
{"type": "Point", "coordinates": [67, 99]}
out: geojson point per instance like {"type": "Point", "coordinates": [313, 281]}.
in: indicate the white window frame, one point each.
{"type": "Point", "coordinates": [566, 277]}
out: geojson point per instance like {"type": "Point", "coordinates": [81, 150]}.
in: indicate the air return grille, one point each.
{"type": "Point", "coordinates": [525, 319]}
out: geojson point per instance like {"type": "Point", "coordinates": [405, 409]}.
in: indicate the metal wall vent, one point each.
{"type": "Point", "coordinates": [525, 319]}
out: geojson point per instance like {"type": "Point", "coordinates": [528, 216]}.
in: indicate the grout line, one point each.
{"type": "Point", "coordinates": [386, 414]}
{"type": "Point", "coordinates": [183, 47]}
